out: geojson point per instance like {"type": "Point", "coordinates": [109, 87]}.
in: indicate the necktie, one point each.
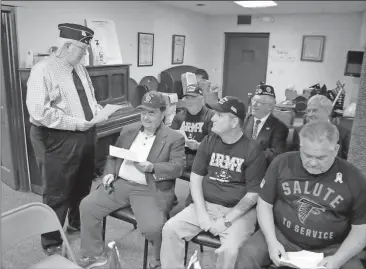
{"type": "Point", "coordinates": [82, 95]}
{"type": "Point", "coordinates": [255, 129]}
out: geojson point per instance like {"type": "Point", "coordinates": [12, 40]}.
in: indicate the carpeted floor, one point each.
{"type": "Point", "coordinates": [130, 243]}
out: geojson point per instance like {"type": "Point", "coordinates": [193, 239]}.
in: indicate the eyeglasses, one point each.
{"type": "Point", "coordinates": [80, 47]}
{"type": "Point", "coordinates": [253, 101]}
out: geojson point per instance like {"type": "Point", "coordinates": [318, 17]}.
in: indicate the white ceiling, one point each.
{"type": "Point", "coordinates": [283, 7]}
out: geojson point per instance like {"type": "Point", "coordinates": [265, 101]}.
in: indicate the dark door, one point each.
{"type": "Point", "coordinates": [7, 166]}
{"type": "Point", "coordinates": [245, 63]}
{"type": "Point", "coordinates": [14, 164]}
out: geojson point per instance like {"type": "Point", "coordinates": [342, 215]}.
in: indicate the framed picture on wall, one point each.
{"type": "Point", "coordinates": [312, 48]}
{"type": "Point", "coordinates": [178, 44]}
{"type": "Point", "coordinates": [145, 53]}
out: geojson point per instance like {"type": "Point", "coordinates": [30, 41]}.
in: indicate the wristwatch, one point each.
{"type": "Point", "coordinates": [152, 171]}
{"type": "Point", "coordinates": [227, 223]}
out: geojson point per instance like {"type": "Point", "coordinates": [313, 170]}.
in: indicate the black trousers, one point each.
{"type": "Point", "coordinates": [66, 163]}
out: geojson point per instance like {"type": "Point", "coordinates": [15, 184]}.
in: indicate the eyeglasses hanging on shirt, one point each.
{"type": "Point", "coordinates": [82, 95]}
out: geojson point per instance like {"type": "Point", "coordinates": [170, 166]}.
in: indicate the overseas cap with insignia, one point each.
{"type": "Point", "coordinates": [76, 32]}
{"type": "Point", "coordinates": [152, 100]}
{"type": "Point", "coordinates": [229, 104]}
{"type": "Point", "coordinates": [264, 89]}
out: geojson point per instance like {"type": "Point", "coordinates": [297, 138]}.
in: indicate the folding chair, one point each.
{"type": "Point", "coordinates": [30, 220]}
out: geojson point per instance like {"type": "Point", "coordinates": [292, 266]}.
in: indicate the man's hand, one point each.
{"type": "Point", "coordinates": [275, 250]}
{"type": "Point", "coordinates": [204, 221]}
{"type": "Point", "coordinates": [108, 179]}
{"type": "Point", "coordinates": [330, 262]}
{"type": "Point", "coordinates": [192, 144]}
{"type": "Point", "coordinates": [84, 125]}
{"type": "Point", "coordinates": [218, 226]}
{"type": "Point", "coordinates": [144, 167]}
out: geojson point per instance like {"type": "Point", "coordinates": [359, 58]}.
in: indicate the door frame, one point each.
{"type": "Point", "coordinates": [228, 35]}
{"type": "Point", "coordinates": [10, 63]}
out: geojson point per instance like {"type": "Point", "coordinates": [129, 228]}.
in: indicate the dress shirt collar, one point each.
{"type": "Point", "coordinates": [63, 63]}
{"type": "Point", "coordinates": [263, 120]}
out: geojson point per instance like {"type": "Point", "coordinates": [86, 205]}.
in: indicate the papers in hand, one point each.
{"type": "Point", "coordinates": [185, 137]}
{"type": "Point", "coordinates": [302, 259]}
{"type": "Point", "coordinates": [105, 113]}
{"type": "Point", "coordinates": [125, 154]}
{"type": "Point", "coordinates": [183, 133]}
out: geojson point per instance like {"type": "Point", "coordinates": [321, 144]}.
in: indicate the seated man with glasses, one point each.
{"type": "Point", "coordinates": [147, 186]}
{"type": "Point", "coordinates": [319, 107]}
{"type": "Point", "coordinates": [262, 126]}
{"type": "Point", "coordinates": [310, 200]}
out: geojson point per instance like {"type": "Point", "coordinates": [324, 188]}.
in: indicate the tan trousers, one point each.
{"type": "Point", "coordinates": [184, 226]}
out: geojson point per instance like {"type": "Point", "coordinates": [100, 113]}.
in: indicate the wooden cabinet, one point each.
{"type": "Point", "coordinates": [111, 87]}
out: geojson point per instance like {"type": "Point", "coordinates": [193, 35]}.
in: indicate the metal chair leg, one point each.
{"type": "Point", "coordinates": [201, 248]}
{"type": "Point", "coordinates": [185, 252]}
{"type": "Point", "coordinates": [146, 251]}
{"type": "Point", "coordinates": [103, 229]}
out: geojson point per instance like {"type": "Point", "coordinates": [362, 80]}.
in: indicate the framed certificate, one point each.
{"type": "Point", "coordinates": [145, 53]}
{"type": "Point", "coordinates": [178, 45]}
{"type": "Point", "coordinates": [312, 48]}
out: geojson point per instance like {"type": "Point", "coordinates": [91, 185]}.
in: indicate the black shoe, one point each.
{"type": "Point", "coordinates": [51, 250]}
{"type": "Point", "coordinates": [71, 230]}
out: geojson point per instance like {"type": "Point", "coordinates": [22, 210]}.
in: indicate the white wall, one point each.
{"type": "Point", "coordinates": [38, 20]}
{"type": "Point", "coordinates": [342, 33]}
{"type": "Point", "coordinates": [363, 31]}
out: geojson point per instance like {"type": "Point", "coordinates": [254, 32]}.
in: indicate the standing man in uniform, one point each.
{"type": "Point", "coordinates": [61, 103]}
{"type": "Point", "coordinates": [262, 126]}
{"type": "Point", "coordinates": [310, 200]}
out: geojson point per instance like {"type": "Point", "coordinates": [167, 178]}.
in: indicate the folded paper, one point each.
{"type": "Point", "coordinates": [302, 259]}
{"type": "Point", "coordinates": [125, 154]}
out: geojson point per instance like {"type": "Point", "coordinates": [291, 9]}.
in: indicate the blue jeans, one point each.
{"type": "Point", "coordinates": [254, 253]}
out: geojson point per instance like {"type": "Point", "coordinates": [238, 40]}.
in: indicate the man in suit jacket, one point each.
{"type": "Point", "coordinates": [319, 108]}
{"type": "Point", "coordinates": [262, 126]}
{"type": "Point", "coordinates": [146, 186]}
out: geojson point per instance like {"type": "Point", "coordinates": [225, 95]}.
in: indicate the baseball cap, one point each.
{"type": "Point", "coordinates": [230, 104]}
{"type": "Point", "coordinates": [152, 100]}
{"type": "Point", "coordinates": [193, 90]}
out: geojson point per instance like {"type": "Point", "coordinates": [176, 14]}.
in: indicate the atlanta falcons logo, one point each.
{"type": "Point", "coordinates": [307, 207]}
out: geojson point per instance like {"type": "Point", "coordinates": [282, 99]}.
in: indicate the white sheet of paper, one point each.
{"type": "Point", "coordinates": [303, 259]}
{"type": "Point", "coordinates": [125, 154]}
{"type": "Point", "coordinates": [183, 133]}
{"type": "Point", "coordinates": [105, 113]}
